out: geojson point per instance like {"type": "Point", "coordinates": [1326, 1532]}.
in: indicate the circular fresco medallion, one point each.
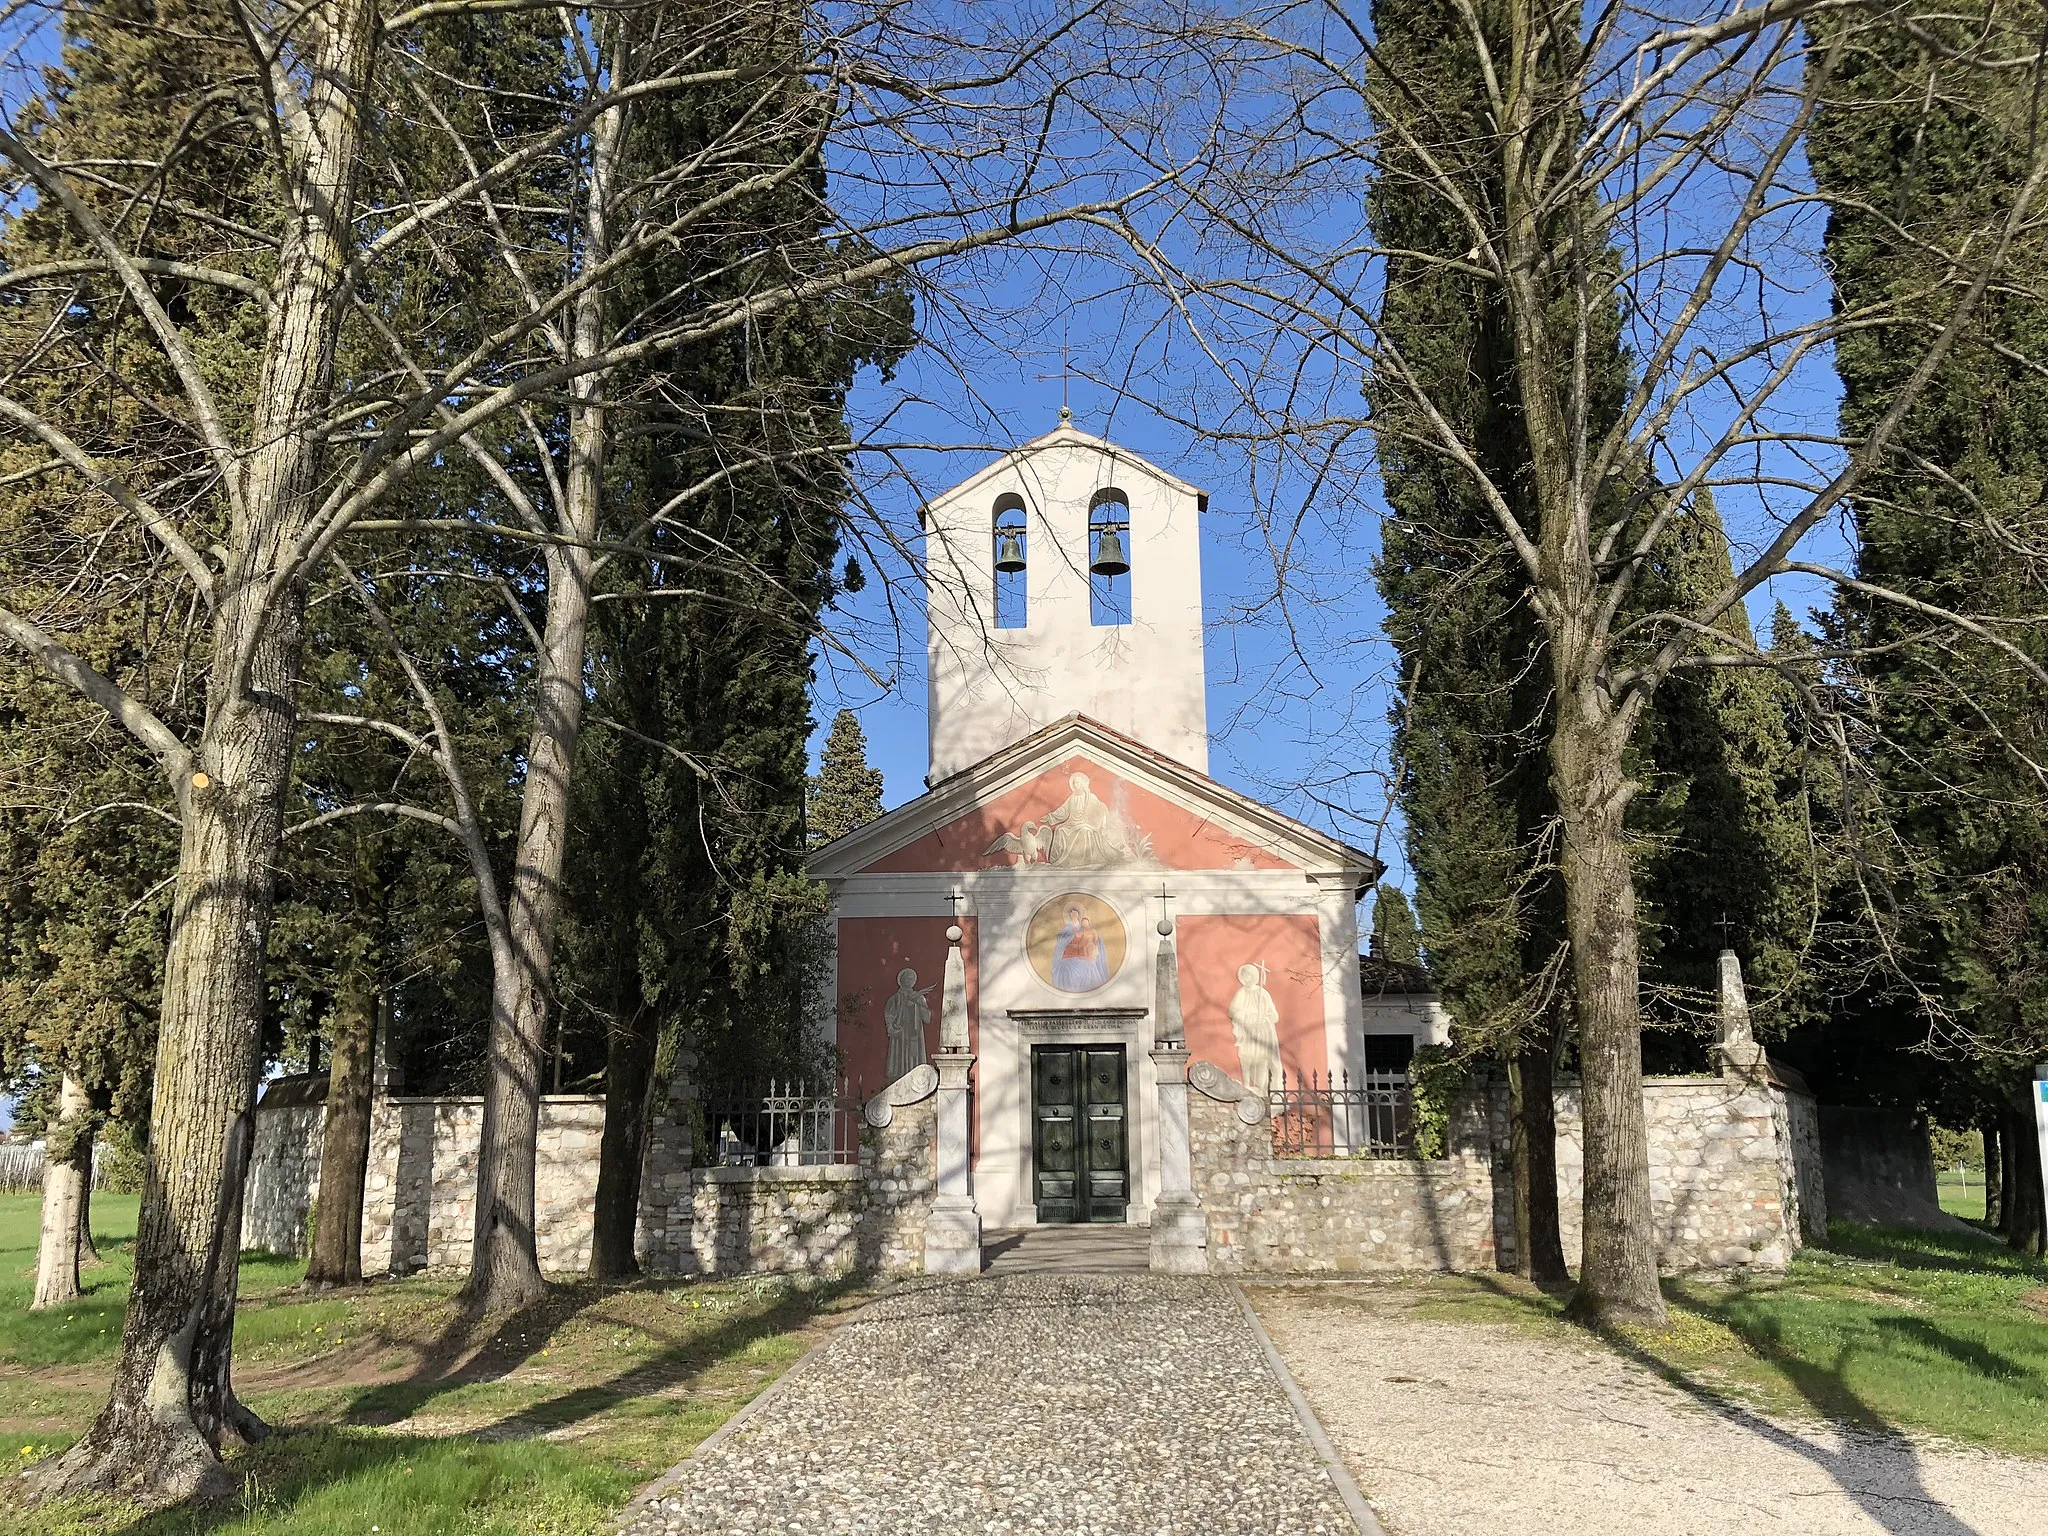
{"type": "Point", "coordinates": [1075, 942]}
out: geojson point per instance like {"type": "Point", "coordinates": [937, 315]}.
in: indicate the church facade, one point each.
{"type": "Point", "coordinates": [1070, 832]}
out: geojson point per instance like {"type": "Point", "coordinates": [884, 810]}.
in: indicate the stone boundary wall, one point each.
{"type": "Point", "coordinates": [419, 1201]}
{"type": "Point", "coordinates": [419, 1198]}
{"type": "Point", "coordinates": [284, 1176]}
{"type": "Point", "coordinates": [1321, 1215]}
{"type": "Point", "coordinates": [1726, 1175]}
{"type": "Point", "coordinates": [1734, 1173]}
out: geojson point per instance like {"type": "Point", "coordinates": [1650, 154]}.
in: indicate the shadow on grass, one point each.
{"type": "Point", "coordinates": [687, 1358]}
{"type": "Point", "coordinates": [1919, 1249]}
{"type": "Point", "coordinates": [488, 1478]}
{"type": "Point", "coordinates": [316, 1482]}
{"type": "Point", "coordinates": [1905, 1504]}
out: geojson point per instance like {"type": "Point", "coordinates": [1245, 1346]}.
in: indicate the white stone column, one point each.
{"type": "Point", "coordinates": [1180, 1230]}
{"type": "Point", "coordinates": [952, 1232]}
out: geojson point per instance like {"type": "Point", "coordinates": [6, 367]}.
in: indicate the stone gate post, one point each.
{"type": "Point", "coordinates": [952, 1234]}
{"type": "Point", "coordinates": [1180, 1230]}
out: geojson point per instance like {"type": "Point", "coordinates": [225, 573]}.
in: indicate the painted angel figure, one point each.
{"type": "Point", "coordinates": [905, 1016]}
{"type": "Point", "coordinates": [1255, 1022]}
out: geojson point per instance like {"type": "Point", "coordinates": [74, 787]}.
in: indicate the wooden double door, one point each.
{"type": "Point", "coordinates": [1080, 1139]}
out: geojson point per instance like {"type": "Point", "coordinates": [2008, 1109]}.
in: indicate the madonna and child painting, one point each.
{"type": "Point", "coordinates": [1076, 942]}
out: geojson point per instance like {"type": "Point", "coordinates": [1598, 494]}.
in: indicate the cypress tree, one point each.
{"type": "Point", "coordinates": [694, 927]}
{"type": "Point", "coordinates": [1913, 152]}
{"type": "Point", "coordinates": [1394, 934]}
{"type": "Point", "coordinates": [87, 828]}
{"type": "Point", "coordinates": [845, 793]}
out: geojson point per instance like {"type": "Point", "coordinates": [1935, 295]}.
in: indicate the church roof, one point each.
{"type": "Point", "coordinates": [1021, 760]}
{"type": "Point", "coordinates": [1381, 977]}
{"type": "Point", "coordinates": [1065, 436]}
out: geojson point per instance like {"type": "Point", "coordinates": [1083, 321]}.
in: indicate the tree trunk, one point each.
{"type": "Point", "coordinates": [628, 1075]}
{"type": "Point", "coordinates": [1532, 1144]}
{"type": "Point", "coordinates": [173, 1406]}
{"type": "Point", "coordinates": [172, 1402]}
{"type": "Point", "coordinates": [504, 1261]}
{"type": "Point", "coordinates": [2008, 1178]}
{"type": "Point", "coordinates": [67, 1170]}
{"type": "Point", "coordinates": [345, 1142]}
{"type": "Point", "coordinates": [1618, 1272]}
{"type": "Point", "coordinates": [1994, 1169]}
{"type": "Point", "coordinates": [2026, 1230]}
{"type": "Point", "coordinates": [88, 1251]}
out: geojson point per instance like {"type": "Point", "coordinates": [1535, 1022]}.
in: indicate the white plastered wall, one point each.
{"type": "Point", "coordinates": [990, 687]}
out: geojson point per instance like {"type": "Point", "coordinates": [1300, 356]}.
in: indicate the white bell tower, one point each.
{"type": "Point", "coordinates": [1011, 651]}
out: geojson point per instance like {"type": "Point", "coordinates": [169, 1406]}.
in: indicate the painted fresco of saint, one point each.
{"type": "Point", "coordinates": [1255, 1022]}
{"type": "Point", "coordinates": [1079, 961]}
{"type": "Point", "coordinates": [1085, 835]}
{"type": "Point", "coordinates": [905, 1017]}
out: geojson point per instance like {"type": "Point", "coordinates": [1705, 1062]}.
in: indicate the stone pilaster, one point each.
{"type": "Point", "coordinates": [952, 1234]}
{"type": "Point", "coordinates": [1180, 1230]}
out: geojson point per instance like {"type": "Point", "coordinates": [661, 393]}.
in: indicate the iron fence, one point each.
{"type": "Point", "coordinates": [1315, 1115]}
{"type": "Point", "coordinates": [780, 1124]}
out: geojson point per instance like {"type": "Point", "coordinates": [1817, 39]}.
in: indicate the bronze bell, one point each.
{"type": "Point", "coordinates": [1009, 550]}
{"type": "Point", "coordinates": [1109, 554]}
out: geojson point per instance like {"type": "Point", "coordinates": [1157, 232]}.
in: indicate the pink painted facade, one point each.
{"type": "Point", "coordinates": [1069, 811]}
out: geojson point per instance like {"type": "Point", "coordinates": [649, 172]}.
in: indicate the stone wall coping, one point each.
{"type": "Point", "coordinates": [477, 1098]}
{"type": "Point", "coordinates": [1211, 1081]}
{"type": "Point", "coordinates": [913, 1087]}
{"type": "Point", "coordinates": [814, 1173]}
{"type": "Point", "coordinates": [1371, 1167]}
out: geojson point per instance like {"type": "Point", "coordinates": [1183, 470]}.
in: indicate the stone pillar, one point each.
{"type": "Point", "coordinates": [385, 1077]}
{"type": "Point", "coordinates": [952, 1233]}
{"type": "Point", "coordinates": [1180, 1229]}
{"type": "Point", "coordinates": [1740, 1055]}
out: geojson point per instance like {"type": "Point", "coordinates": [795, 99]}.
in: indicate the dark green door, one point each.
{"type": "Point", "coordinates": [1080, 1145]}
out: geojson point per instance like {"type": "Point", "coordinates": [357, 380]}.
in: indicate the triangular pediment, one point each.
{"type": "Point", "coordinates": [1079, 795]}
{"type": "Point", "coordinates": [1071, 438]}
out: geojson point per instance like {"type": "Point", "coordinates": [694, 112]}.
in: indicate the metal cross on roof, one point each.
{"type": "Point", "coordinates": [1065, 376]}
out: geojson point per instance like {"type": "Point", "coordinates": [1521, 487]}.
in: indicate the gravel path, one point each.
{"type": "Point", "coordinates": [1470, 1430]}
{"type": "Point", "coordinates": [1086, 1405]}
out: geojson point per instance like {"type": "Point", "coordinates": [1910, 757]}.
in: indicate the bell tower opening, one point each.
{"type": "Point", "coordinates": [1012, 605]}
{"type": "Point", "coordinates": [1109, 560]}
{"type": "Point", "coordinates": [1065, 578]}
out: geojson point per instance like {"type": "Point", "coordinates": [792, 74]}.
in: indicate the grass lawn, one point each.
{"type": "Point", "coordinates": [392, 1413]}
{"type": "Point", "coordinates": [1883, 1327]}
{"type": "Point", "coordinates": [1959, 1196]}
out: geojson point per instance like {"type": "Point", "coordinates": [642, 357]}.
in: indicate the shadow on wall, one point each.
{"type": "Point", "coordinates": [1879, 1170]}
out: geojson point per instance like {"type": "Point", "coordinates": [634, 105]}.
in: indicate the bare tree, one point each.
{"type": "Point", "coordinates": [245, 504]}
{"type": "Point", "coordinates": [1642, 185]}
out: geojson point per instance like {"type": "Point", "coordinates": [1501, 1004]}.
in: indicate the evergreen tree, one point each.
{"type": "Point", "coordinates": [1475, 711]}
{"type": "Point", "coordinates": [1726, 861]}
{"type": "Point", "coordinates": [694, 925]}
{"type": "Point", "coordinates": [1472, 719]}
{"type": "Point", "coordinates": [89, 830]}
{"type": "Point", "coordinates": [1394, 934]}
{"type": "Point", "coordinates": [845, 793]}
{"type": "Point", "coordinates": [1918, 151]}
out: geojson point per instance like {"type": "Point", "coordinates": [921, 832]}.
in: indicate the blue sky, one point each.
{"type": "Point", "coordinates": [1297, 690]}
{"type": "Point", "coordinates": [1299, 672]}
{"type": "Point", "coordinates": [1298, 687]}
